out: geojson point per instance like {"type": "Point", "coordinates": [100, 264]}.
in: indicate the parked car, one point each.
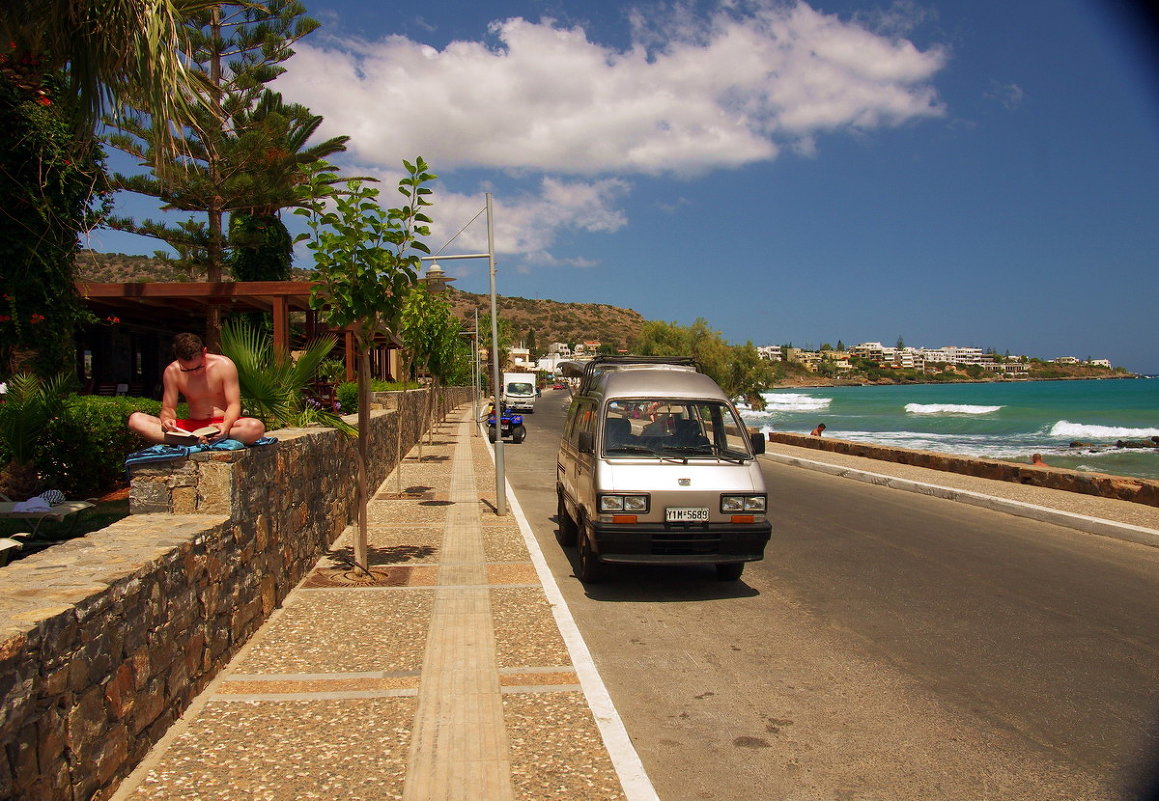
{"type": "Point", "coordinates": [655, 466]}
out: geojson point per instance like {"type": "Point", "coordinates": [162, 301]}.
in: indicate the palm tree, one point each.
{"type": "Point", "coordinates": [29, 404]}
{"type": "Point", "coordinates": [273, 142]}
{"type": "Point", "coordinates": [273, 383]}
{"type": "Point", "coordinates": [114, 52]}
{"type": "Point", "coordinates": [63, 63]}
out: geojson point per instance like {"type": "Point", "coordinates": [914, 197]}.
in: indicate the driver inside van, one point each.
{"type": "Point", "coordinates": [666, 417]}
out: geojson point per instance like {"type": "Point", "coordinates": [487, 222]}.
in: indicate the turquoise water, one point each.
{"type": "Point", "coordinates": [1006, 420]}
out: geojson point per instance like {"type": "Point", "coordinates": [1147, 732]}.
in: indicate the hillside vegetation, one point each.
{"type": "Point", "coordinates": [549, 320]}
{"type": "Point", "coordinates": [545, 321]}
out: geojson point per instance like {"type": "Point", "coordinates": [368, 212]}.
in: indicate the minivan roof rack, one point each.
{"type": "Point", "coordinates": [606, 364]}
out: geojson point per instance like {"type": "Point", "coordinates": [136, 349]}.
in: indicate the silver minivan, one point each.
{"type": "Point", "coordinates": [655, 466]}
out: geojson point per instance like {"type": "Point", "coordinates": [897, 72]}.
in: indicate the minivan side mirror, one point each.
{"type": "Point", "coordinates": [758, 440]}
{"type": "Point", "coordinates": [586, 442]}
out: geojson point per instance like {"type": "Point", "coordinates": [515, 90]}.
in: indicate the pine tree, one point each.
{"type": "Point", "coordinates": [246, 149]}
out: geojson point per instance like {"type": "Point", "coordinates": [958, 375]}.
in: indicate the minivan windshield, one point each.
{"type": "Point", "coordinates": [663, 427]}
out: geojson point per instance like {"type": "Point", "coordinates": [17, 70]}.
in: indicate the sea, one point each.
{"type": "Point", "coordinates": [1073, 424]}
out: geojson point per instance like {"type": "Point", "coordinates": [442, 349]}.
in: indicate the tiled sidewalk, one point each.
{"type": "Point", "coordinates": [447, 677]}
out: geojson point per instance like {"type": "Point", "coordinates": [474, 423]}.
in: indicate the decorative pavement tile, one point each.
{"type": "Point", "coordinates": [502, 545]}
{"type": "Point", "coordinates": [525, 631]}
{"type": "Point", "coordinates": [343, 631]}
{"type": "Point", "coordinates": [353, 749]}
{"type": "Point", "coordinates": [556, 750]}
{"type": "Point", "coordinates": [336, 685]}
{"type": "Point", "coordinates": [519, 573]}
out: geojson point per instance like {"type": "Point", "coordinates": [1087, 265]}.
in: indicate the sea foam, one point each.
{"type": "Point", "coordinates": [794, 402]}
{"type": "Point", "coordinates": [949, 408]}
{"type": "Point", "coordinates": [1065, 428]}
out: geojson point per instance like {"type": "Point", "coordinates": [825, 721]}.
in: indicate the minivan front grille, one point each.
{"type": "Point", "coordinates": [685, 543]}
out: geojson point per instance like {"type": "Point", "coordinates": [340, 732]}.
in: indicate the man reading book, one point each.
{"type": "Point", "coordinates": [208, 381]}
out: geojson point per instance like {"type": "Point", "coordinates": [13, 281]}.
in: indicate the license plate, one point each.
{"type": "Point", "coordinates": [681, 514]}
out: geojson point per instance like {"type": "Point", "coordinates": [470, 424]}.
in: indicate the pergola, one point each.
{"type": "Point", "coordinates": [175, 307]}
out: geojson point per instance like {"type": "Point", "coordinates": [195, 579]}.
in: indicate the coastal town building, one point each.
{"type": "Point", "coordinates": [520, 358]}
{"type": "Point", "coordinates": [925, 360]}
{"type": "Point", "coordinates": [770, 353]}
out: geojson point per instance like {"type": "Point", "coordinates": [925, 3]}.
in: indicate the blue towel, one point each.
{"type": "Point", "coordinates": [158, 453]}
{"type": "Point", "coordinates": [168, 453]}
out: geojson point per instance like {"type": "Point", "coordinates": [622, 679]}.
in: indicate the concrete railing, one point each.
{"type": "Point", "coordinates": [1136, 490]}
{"type": "Point", "coordinates": [106, 639]}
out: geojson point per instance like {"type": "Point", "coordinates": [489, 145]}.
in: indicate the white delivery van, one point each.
{"type": "Point", "coordinates": [519, 391]}
{"type": "Point", "coordinates": [655, 466]}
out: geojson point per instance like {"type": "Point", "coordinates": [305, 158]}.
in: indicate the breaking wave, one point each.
{"type": "Point", "coordinates": [949, 408]}
{"type": "Point", "coordinates": [794, 402]}
{"type": "Point", "coordinates": [1069, 430]}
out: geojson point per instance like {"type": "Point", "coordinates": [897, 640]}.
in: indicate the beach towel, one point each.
{"type": "Point", "coordinates": [168, 453]}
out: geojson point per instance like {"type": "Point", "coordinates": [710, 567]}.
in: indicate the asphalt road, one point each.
{"type": "Point", "coordinates": [891, 646]}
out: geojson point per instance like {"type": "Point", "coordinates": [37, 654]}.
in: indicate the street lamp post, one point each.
{"type": "Point", "coordinates": [440, 280]}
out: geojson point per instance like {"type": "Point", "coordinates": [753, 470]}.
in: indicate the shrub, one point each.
{"type": "Point", "coordinates": [348, 392]}
{"type": "Point", "coordinates": [84, 451]}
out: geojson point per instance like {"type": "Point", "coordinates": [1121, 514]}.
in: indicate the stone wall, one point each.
{"type": "Point", "coordinates": [106, 639]}
{"type": "Point", "coordinates": [1136, 490]}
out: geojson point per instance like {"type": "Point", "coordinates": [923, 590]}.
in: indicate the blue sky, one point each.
{"type": "Point", "coordinates": [977, 173]}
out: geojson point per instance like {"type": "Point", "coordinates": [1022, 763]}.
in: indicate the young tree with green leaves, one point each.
{"type": "Point", "coordinates": [431, 336]}
{"type": "Point", "coordinates": [366, 261]}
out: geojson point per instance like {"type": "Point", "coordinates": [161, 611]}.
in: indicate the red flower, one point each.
{"type": "Point", "coordinates": [44, 101]}
{"type": "Point", "coordinates": [112, 319]}
{"type": "Point", "coordinates": [36, 318]}
{"type": "Point", "coordinates": [4, 318]}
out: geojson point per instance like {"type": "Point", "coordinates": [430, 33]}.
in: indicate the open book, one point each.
{"type": "Point", "coordinates": [182, 437]}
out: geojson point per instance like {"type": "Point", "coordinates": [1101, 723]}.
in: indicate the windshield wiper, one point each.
{"type": "Point", "coordinates": [630, 449]}
{"type": "Point", "coordinates": [707, 450]}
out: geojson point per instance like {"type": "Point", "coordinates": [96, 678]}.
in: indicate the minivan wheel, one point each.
{"type": "Point", "coordinates": [564, 526]}
{"type": "Point", "coordinates": [729, 572]}
{"type": "Point", "coordinates": [590, 570]}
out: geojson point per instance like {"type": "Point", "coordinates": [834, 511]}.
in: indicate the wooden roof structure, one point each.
{"type": "Point", "coordinates": [183, 306]}
{"type": "Point", "coordinates": [170, 304]}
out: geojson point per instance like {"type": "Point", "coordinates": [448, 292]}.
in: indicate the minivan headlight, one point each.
{"type": "Point", "coordinates": [624, 503]}
{"type": "Point", "coordinates": [735, 504]}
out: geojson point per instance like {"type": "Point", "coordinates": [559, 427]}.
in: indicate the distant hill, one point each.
{"type": "Point", "coordinates": [120, 268]}
{"type": "Point", "coordinates": [551, 321]}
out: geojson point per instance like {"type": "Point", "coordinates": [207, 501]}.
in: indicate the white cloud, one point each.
{"type": "Point", "coordinates": [527, 224]}
{"type": "Point", "coordinates": [690, 95]}
{"type": "Point", "coordinates": [1010, 95]}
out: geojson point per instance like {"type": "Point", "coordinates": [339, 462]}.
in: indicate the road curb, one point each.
{"type": "Point", "coordinates": [1091, 525]}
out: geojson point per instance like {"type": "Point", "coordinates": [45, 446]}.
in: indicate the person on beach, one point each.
{"type": "Point", "coordinates": [1036, 459]}
{"type": "Point", "coordinates": [816, 432]}
{"type": "Point", "coordinates": [209, 383]}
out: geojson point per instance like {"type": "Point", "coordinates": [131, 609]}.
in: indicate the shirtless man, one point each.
{"type": "Point", "coordinates": [209, 383]}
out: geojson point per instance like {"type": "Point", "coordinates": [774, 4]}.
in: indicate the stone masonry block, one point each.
{"type": "Point", "coordinates": [183, 500]}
